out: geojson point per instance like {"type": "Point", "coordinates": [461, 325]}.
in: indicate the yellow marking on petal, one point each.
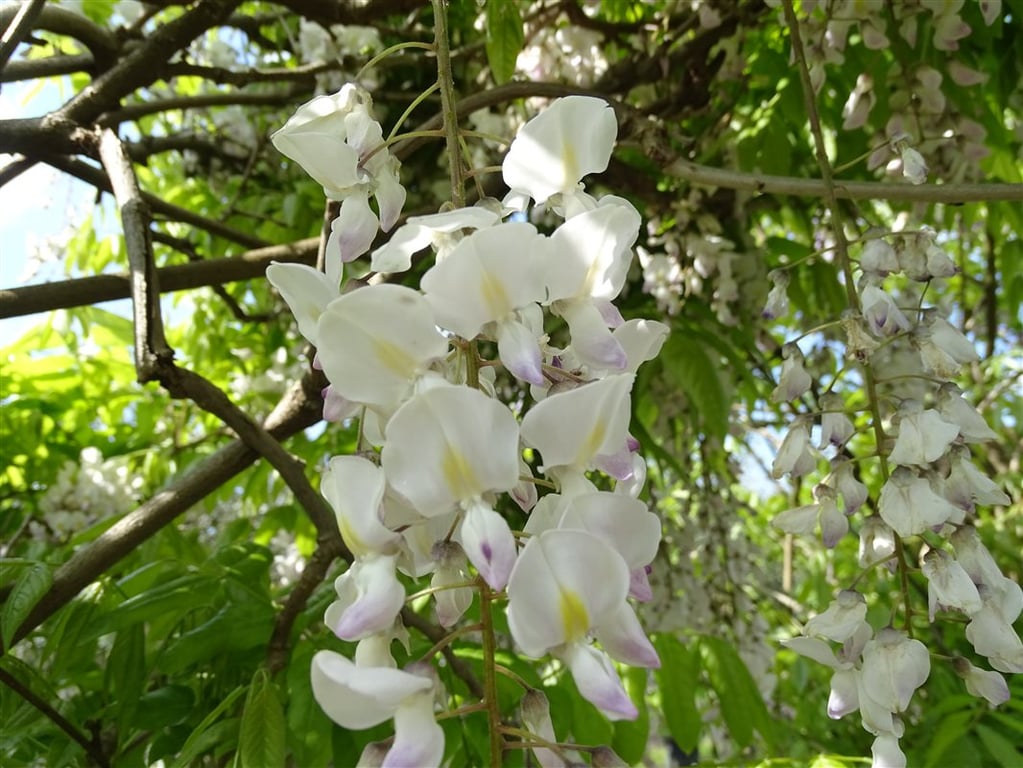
{"type": "Point", "coordinates": [394, 358]}
{"type": "Point", "coordinates": [459, 475]}
{"type": "Point", "coordinates": [591, 445]}
{"type": "Point", "coordinates": [350, 537]}
{"type": "Point", "coordinates": [575, 620]}
{"type": "Point", "coordinates": [571, 162]}
{"type": "Point", "coordinates": [495, 296]}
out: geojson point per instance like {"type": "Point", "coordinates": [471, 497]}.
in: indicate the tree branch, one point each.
{"type": "Point", "coordinates": [53, 18]}
{"type": "Point", "coordinates": [847, 190]}
{"type": "Point", "coordinates": [135, 111]}
{"type": "Point", "coordinates": [84, 291]}
{"type": "Point", "coordinates": [51, 66]}
{"type": "Point", "coordinates": [17, 27]}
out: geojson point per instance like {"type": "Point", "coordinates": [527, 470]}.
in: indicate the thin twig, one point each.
{"type": "Point", "coordinates": [91, 747]}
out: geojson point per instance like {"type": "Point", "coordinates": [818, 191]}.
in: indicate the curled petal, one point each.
{"type": "Point", "coordinates": [622, 636]}
{"type": "Point", "coordinates": [844, 697]}
{"type": "Point", "coordinates": [390, 196]}
{"type": "Point", "coordinates": [369, 598]}
{"type": "Point", "coordinates": [591, 253]}
{"type": "Point", "coordinates": [621, 521]}
{"type": "Point", "coordinates": [598, 682]}
{"type": "Point", "coordinates": [639, 585]}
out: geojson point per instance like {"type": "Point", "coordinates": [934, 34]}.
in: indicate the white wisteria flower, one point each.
{"type": "Point", "coordinates": [441, 230]}
{"type": "Point", "coordinates": [307, 292]}
{"type": "Point", "coordinates": [567, 584]}
{"type": "Point", "coordinates": [948, 584]}
{"type": "Point", "coordinates": [910, 506]}
{"type": "Point", "coordinates": [923, 435]}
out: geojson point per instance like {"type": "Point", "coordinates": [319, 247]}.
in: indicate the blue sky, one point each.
{"type": "Point", "coordinates": [39, 204]}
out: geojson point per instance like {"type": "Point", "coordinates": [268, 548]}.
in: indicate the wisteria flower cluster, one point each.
{"type": "Point", "coordinates": [444, 452]}
{"type": "Point", "coordinates": [927, 503]}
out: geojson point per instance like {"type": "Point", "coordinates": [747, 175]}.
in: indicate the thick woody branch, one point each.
{"type": "Point", "coordinates": [144, 64]}
{"type": "Point", "coordinates": [135, 111]}
{"type": "Point", "coordinates": [51, 66]}
{"type": "Point", "coordinates": [84, 291]}
{"type": "Point", "coordinates": [150, 345]}
{"type": "Point", "coordinates": [17, 22]}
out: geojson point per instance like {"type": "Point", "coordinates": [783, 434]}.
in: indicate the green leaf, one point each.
{"type": "Point", "coordinates": [685, 359]}
{"type": "Point", "coordinates": [261, 743]}
{"type": "Point", "coordinates": [176, 596]}
{"type": "Point", "coordinates": [631, 736]}
{"type": "Point", "coordinates": [28, 590]}
{"type": "Point", "coordinates": [505, 37]}
{"type": "Point", "coordinates": [741, 704]}
{"type": "Point", "coordinates": [198, 742]}
{"type": "Point", "coordinates": [126, 671]}
{"type": "Point", "coordinates": [676, 680]}
{"type": "Point", "coordinates": [163, 707]}
{"type": "Point", "coordinates": [1002, 750]}
{"type": "Point", "coordinates": [950, 730]}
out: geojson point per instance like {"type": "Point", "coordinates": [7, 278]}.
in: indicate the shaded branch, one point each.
{"type": "Point", "coordinates": [51, 66]}
{"type": "Point", "coordinates": [104, 47]}
{"type": "Point", "coordinates": [135, 111]}
{"type": "Point", "coordinates": [84, 291]}
{"type": "Point", "coordinates": [151, 348]}
{"type": "Point", "coordinates": [144, 64]}
{"type": "Point", "coordinates": [91, 746]}
{"type": "Point", "coordinates": [17, 26]}
{"type": "Point", "coordinates": [435, 634]}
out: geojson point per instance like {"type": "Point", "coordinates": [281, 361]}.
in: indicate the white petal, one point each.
{"type": "Point", "coordinates": [591, 253]}
{"type": "Point", "coordinates": [592, 342]}
{"type": "Point", "coordinates": [812, 648]}
{"type": "Point", "coordinates": [574, 136]}
{"type": "Point", "coordinates": [894, 666]}
{"type": "Point", "coordinates": [376, 340]}
{"type": "Point", "coordinates": [562, 583]}
{"type": "Point", "coordinates": [800, 521]}
{"type": "Point", "coordinates": [418, 739]}
{"type": "Point", "coordinates": [886, 753]}
{"type": "Point", "coordinates": [841, 619]}
{"type": "Point", "coordinates": [352, 232]}
{"type": "Point", "coordinates": [486, 277]}
{"type": "Point", "coordinates": [307, 291]}
{"type": "Point", "coordinates": [621, 521]}
{"type": "Point", "coordinates": [451, 444]}
{"type": "Point", "coordinates": [370, 598]}
{"type": "Point", "coordinates": [844, 697]}
{"type": "Point", "coordinates": [642, 340]}
{"type": "Point", "coordinates": [390, 197]}
{"type": "Point", "coordinates": [519, 352]}
{"type": "Point", "coordinates": [570, 428]}
{"type": "Point", "coordinates": [360, 697]}
{"type": "Point", "coordinates": [622, 636]}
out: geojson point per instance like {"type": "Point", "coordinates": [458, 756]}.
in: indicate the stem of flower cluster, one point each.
{"type": "Point", "coordinates": [490, 674]}
{"type": "Point", "coordinates": [447, 100]}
